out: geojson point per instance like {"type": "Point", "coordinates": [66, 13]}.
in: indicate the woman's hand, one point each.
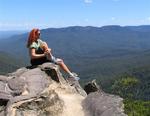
{"type": "Point", "coordinates": [48, 51]}
{"type": "Point", "coordinates": [48, 55]}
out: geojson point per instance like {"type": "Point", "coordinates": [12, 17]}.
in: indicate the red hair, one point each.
{"type": "Point", "coordinates": [32, 36]}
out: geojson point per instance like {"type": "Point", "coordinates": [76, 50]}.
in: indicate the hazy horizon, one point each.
{"type": "Point", "coordinates": [28, 30]}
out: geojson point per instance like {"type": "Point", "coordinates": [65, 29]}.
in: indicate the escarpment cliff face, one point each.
{"type": "Point", "coordinates": [43, 91]}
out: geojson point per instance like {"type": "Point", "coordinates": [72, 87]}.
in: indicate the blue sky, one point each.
{"type": "Point", "coordinates": [27, 14]}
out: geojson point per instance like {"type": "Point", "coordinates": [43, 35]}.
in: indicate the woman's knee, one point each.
{"type": "Point", "coordinates": [60, 61]}
{"type": "Point", "coordinates": [45, 43]}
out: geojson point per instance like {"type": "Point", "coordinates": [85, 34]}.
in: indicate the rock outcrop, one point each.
{"type": "Point", "coordinates": [99, 103]}
{"type": "Point", "coordinates": [43, 91]}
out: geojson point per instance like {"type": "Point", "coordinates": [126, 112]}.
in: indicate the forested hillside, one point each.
{"type": "Point", "coordinates": [8, 63]}
{"type": "Point", "coordinates": [134, 87]}
{"type": "Point", "coordinates": [117, 57]}
{"type": "Point", "coordinates": [93, 52]}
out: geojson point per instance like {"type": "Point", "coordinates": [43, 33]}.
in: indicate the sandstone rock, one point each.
{"type": "Point", "coordinates": [43, 91]}
{"type": "Point", "coordinates": [99, 103]}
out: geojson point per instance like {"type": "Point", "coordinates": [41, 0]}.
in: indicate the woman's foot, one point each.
{"type": "Point", "coordinates": [73, 76]}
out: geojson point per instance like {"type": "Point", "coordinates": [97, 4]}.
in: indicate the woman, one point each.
{"type": "Point", "coordinates": [41, 53]}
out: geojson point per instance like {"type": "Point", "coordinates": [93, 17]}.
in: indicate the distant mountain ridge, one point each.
{"type": "Point", "coordinates": [87, 40]}
{"type": "Point", "coordinates": [7, 34]}
{"type": "Point", "coordinates": [109, 50]}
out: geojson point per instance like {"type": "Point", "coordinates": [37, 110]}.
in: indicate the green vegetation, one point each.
{"type": "Point", "coordinates": [137, 107]}
{"type": "Point", "coordinates": [8, 63]}
{"type": "Point", "coordinates": [129, 87]}
{"type": "Point", "coordinates": [125, 87]}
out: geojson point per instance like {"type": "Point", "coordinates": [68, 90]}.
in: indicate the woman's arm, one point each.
{"type": "Point", "coordinates": [34, 55]}
{"type": "Point", "coordinates": [45, 47]}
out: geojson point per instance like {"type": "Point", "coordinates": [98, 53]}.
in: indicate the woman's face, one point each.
{"type": "Point", "coordinates": [38, 34]}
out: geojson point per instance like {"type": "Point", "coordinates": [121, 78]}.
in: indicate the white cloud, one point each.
{"type": "Point", "coordinates": [86, 20]}
{"type": "Point", "coordinates": [23, 25]}
{"type": "Point", "coordinates": [113, 18]}
{"type": "Point", "coordinates": [148, 18]}
{"type": "Point", "coordinates": [88, 1]}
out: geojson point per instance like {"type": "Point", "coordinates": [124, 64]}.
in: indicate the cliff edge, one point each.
{"type": "Point", "coordinates": [43, 91]}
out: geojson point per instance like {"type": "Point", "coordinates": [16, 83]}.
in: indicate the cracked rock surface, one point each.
{"type": "Point", "coordinates": [43, 91]}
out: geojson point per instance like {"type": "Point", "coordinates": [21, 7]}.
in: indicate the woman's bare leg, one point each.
{"type": "Point", "coordinates": [46, 48]}
{"type": "Point", "coordinates": [63, 66]}
{"type": "Point", "coordinates": [60, 63]}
